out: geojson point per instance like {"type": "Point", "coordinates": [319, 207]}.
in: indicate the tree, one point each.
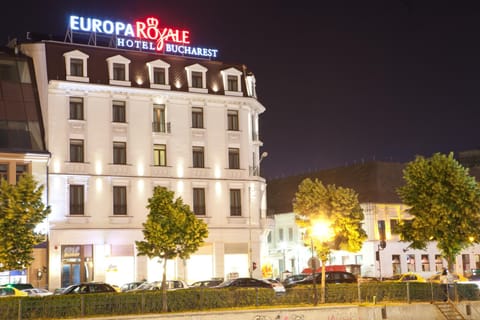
{"type": "Point", "coordinates": [21, 210]}
{"type": "Point", "coordinates": [444, 201]}
{"type": "Point", "coordinates": [332, 217]}
{"type": "Point", "coordinates": [171, 230]}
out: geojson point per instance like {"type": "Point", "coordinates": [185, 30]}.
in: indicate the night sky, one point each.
{"type": "Point", "coordinates": [342, 81]}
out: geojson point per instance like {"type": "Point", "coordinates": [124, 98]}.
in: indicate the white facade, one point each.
{"type": "Point", "coordinates": [395, 258]}
{"type": "Point", "coordinates": [99, 244]}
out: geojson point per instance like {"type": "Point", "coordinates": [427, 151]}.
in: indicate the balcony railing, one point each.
{"type": "Point", "coordinates": [161, 127]}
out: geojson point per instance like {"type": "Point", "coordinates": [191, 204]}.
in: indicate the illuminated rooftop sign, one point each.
{"type": "Point", "coordinates": [145, 35]}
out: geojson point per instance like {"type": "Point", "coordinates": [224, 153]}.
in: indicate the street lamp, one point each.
{"type": "Point", "coordinates": [322, 230]}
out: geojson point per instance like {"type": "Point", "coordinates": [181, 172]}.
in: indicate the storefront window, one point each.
{"type": "Point", "coordinates": [77, 264]}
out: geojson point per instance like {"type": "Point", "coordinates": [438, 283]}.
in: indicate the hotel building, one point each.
{"type": "Point", "coordinates": [120, 122]}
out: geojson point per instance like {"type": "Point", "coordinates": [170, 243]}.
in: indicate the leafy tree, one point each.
{"type": "Point", "coordinates": [332, 217]}
{"type": "Point", "coordinates": [444, 201]}
{"type": "Point", "coordinates": [21, 210]}
{"type": "Point", "coordinates": [171, 230]}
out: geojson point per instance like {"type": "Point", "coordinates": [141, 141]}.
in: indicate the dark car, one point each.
{"type": "Point", "coordinates": [330, 277]}
{"type": "Point", "coordinates": [278, 288]}
{"type": "Point", "coordinates": [293, 279]}
{"type": "Point", "coordinates": [131, 285]}
{"type": "Point", "coordinates": [89, 287]}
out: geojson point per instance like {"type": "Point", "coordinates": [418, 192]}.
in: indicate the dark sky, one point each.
{"type": "Point", "coordinates": [342, 81]}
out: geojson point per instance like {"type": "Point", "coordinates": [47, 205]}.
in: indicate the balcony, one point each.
{"type": "Point", "coordinates": [161, 127]}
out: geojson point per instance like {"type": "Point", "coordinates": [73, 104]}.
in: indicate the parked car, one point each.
{"type": "Point", "coordinates": [38, 292]}
{"type": "Point", "coordinates": [131, 285]}
{"type": "Point", "coordinates": [88, 287]}
{"type": "Point", "coordinates": [19, 286]}
{"type": "Point", "coordinates": [8, 291]}
{"type": "Point", "coordinates": [407, 277]}
{"type": "Point", "coordinates": [294, 278]}
{"type": "Point", "coordinates": [278, 288]}
{"type": "Point", "coordinates": [330, 277]}
{"type": "Point", "coordinates": [157, 285]}
{"type": "Point", "coordinates": [456, 278]}
{"type": "Point", "coordinates": [206, 283]}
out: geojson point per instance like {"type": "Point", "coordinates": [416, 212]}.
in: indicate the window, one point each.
{"type": "Point", "coordinates": [232, 82]}
{"type": "Point", "coordinates": [158, 123]}
{"type": "Point", "coordinates": [233, 158]}
{"type": "Point", "coordinates": [197, 118]}
{"type": "Point", "coordinates": [280, 234]}
{"type": "Point", "coordinates": [76, 150]}
{"type": "Point", "coordinates": [290, 234]}
{"type": "Point", "coordinates": [20, 169]}
{"type": "Point", "coordinates": [425, 263]}
{"type": "Point", "coordinates": [118, 111]}
{"type": "Point", "coordinates": [381, 229]}
{"type": "Point", "coordinates": [76, 108]}
{"type": "Point", "coordinates": [197, 79]}
{"type": "Point", "coordinates": [235, 202]}
{"type": "Point", "coordinates": [76, 67]}
{"type": "Point", "coordinates": [199, 201]}
{"type": "Point", "coordinates": [4, 171]}
{"type": "Point", "coordinates": [76, 199]}
{"type": "Point", "coordinates": [120, 153]}
{"type": "Point", "coordinates": [411, 263]}
{"type": "Point", "coordinates": [232, 120]}
{"type": "Point", "coordinates": [198, 157]}
{"type": "Point", "coordinates": [396, 267]}
{"type": "Point", "coordinates": [119, 200]}
{"type": "Point", "coordinates": [160, 155]}
{"type": "Point", "coordinates": [159, 76]}
{"type": "Point", "coordinates": [119, 71]}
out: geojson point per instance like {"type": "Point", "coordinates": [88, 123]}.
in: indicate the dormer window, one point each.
{"type": "Point", "coordinates": [118, 70]}
{"type": "Point", "coordinates": [76, 66]}
{"type": "Point", "coordinates": [231, 82]}
{"type": "Point", "coordinates": [197, 78]}
{"type": "Point", "coordinates": [158, 74]}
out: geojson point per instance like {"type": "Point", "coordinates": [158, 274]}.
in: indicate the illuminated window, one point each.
{"type": "Point", "coordinates": [231, 82]}
{"type": "Point", "coordinates": [425, 262]}
{"type": "Point", "coordinates": [233, 158]}
{"type": "Point", "coordinates": [396, 266]}
{"type": "Point", "coordinates": [235, 202]}
{"type": "Point", "coordinates": [118, 70]}
{"type": "Point", "coordinates": [159, 123]}
{"type": "Point", "coordinates": [119, 152]}
{"type": "Point", "coordinates": [199, 201]}
{"type": "Point", "coordinates": [160, 155]}
{"type": "Point", "coordinates": [158, 74]}
{"type": "Point", "coordinates": [119, 200]}
{"type": "Point", "coordinates": [198, 157]}
{"type": "Point", "coordinates": [76, 199]}
{"type": "Point", "coordinates": [76, 66]}
{"type": "Point", "coordinates": [232, 120]}
{"type": "Point", "coordinates": [76, 150]}
{"type": "Point", "coordinates": [197, 78]}
{"type": "Point", "coordinates": [197, 118]}
{"type": "Point", "coordinates": [118, 111]}
{"type": "Point", "coordinates": [76, 108]}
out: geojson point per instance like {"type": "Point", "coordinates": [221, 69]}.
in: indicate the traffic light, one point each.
{"type": "Point", "coordinates": [254, 265]}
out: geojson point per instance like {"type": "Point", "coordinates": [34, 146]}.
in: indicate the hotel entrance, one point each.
{"type": "Point", "coordinates": [77, 264]}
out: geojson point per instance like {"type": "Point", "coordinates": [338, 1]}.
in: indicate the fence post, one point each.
{"type": "Point", "coordinates": [19, 309]}
{"type": "Point", "coordinates": [359, 293]}
{"type": "Point", "coordinates": [408, 292]}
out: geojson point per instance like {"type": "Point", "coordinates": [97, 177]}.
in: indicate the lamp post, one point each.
{"type": "Point", "coordinates": [314, 268]}
{"type": "Point", "coordinates": [321, 230]}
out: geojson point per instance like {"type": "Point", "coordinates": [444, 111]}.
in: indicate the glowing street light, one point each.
{"type": "Point", "coordinates": [321, 230]}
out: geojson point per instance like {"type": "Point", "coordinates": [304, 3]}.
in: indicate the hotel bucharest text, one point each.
{"type": "Point", "coordinates": [143, 35]}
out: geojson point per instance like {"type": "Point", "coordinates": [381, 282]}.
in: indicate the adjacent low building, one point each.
{"type": "Point", "coordinates": [376, 184]}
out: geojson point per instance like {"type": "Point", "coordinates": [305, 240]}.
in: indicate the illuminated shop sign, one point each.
{"type": "Point", "coordinates": [143, 35]}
